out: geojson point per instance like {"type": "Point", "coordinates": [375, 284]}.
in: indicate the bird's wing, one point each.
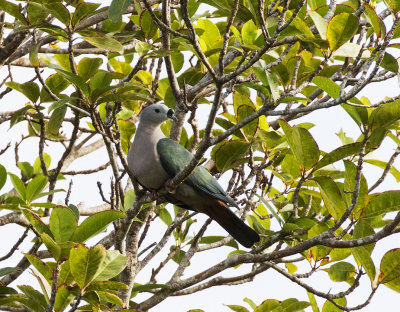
{"type": "Point", "coordinates": [174, 158]}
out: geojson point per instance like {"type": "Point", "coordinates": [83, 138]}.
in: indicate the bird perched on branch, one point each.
{"type": "Point", "coordinates": [154, 159]}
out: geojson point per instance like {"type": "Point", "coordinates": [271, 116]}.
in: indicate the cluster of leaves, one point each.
{"type": "Point", "coordinates": [251, 61]}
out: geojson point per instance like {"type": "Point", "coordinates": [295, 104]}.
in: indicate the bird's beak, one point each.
{"type": "Point", "coordinates": [170, 115]}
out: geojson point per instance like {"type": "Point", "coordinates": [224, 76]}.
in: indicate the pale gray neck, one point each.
{"type": "Point", "coordinates": [150, 130]}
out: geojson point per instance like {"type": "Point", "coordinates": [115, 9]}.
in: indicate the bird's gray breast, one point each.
{"type": "Point", "coordinates": [144, 162]}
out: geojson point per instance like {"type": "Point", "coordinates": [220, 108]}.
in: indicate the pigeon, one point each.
{"type": "Point", "coordinates": [154, 160]}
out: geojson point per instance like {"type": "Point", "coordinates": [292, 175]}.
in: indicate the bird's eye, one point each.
{"type": "Point", "coordinates": [157, 110]}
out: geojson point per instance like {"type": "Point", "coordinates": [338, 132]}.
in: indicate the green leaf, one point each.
{"type": "Point", "coordinates": [394, 5]}
{"type": "Point", "coordinates": [243, 108]}
{"type": "Point", "coordinates": [108, 285]}
{"type": "Point", "coordinates": [57, 118]}
{"type": "Point", "coordinates": [320, 23]}
{"type": "Point", "coordinates": [33, 54]}
{"type": "Point", "coordinates": [249, 32]}
{"type": "Point", "coordinates": [37, 166]}
{"type": "Point", "coordinates": [63, 298]}
{"type": "Point", "coordinates": [18, 185]}
{"type": "Point", "coordinates": [313, 302]}
{"type": "Point", "coordinates": [3, 176]}
{"type": "Point", "coordinates": [59, 11]}
{"type": "Point", "coordinates": [330, 307]}
{"type": "Point", "coordinates": [95, 224]}
{"type": "Point", "coordinates": [35, 297]}
{"type": "Point", "coordinates": [237, 308]}
{"type": "Point", "coordinates": [327, 85]}
{"type": "Point", "coordinates": [113, 264]}
{"type": "Point", "coordinates": [13, 10]}
{"type": "Point", "coordinates": [349, 182]}
{"type": "Point", "coordinates": [105, 42]}
{"type": "Point", "coordinates": [8, 270]}
{"type": "Point", "coordinates": [385, 115]}
{"type": "Point", "coordinates": [341, 28]}
{"type": "Point", "coordinates": [37, 223]}
{"type": "Point", "coordinates": [85, 263]}
{"type": "Point", "coordinates": [82, 11]}
{"type": "Point", "coordinates": [100, 80]}
{"type": "Point", "coordinates": [56, 83]}
{"type": "Point", "coordinates": [341, 271]}
{"type": "Point", "coordinates": [267, 305]}
{"type": "Point", "coordinates": [26, 170]}
{"type": "Point", "coordinates": [88, 67]}
{"type": "Point", "coordinates": [302, 144]}
{"type": "Point", "coordinates": [79, 82]}
{"type": "Point", "coordinates": [42, 267]}
{"type": "Point", "coordinates": [382, 164]}
{"type": "Point", "coordinates": [29, 89]}
{"type": "Point", "coordinates": [382, 203]}
{"type": "Point", "coordinates": [332, 196]}
{"type": "Point", "coordinates": [362, 254]}
{"type": "Point", "coordinates": [117, 9]}
{"type": "Point", "coordinates": [35, 187]}
{"type": "Point", "coordinates": [165, 216]}
{"type": "Point", "coordinates": [376, 22]}
{"type": "Point", "coordinates": [390, 266]}
{"type": "Point", "coordinates": [147, 24]}
{"type": "Point", "coordinates": [338, 154]}
{"type": "Point", "coordinates": [52, 246]}
{"type": "Point", "coordinates": [273, 82]}
{"type": "Point", "coordinates": [227, 153]}
{"type": "Point", "coordinates": [127, 130]}
{"type": "Point", "coordinates": [63, 223]}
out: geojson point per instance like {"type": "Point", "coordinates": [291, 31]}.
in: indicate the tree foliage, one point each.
{"type": "Point", "coordinates": [249, 68]}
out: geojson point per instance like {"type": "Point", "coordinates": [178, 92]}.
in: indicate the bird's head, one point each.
{"type": "Point", "coordinates": [156, 114]}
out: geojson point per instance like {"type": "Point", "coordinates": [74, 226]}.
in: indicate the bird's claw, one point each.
{"type": "Point", "coordinates": [168, 188]}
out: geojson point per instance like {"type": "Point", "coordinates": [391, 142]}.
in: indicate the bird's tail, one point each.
{"type": "Point", "coordinates": [240, 231]}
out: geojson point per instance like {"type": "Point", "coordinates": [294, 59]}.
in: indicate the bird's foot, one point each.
{"type": "Point", "coordinates": [168, 188]}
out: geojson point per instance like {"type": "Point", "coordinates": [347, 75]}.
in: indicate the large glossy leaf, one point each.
{"type": "Point", "coordinates": [18, 185]}
{"type": "Point", "coordinates": [105, 42]}
{"type": "Point", "coordinates": [302, 144]}
{"type": "Point", "coordinates": [376, 22]}
{"type": "Point", "coordinates": [380, 204]}
{"type": "Point", "coordinates": [332, 196]}
{"type": "Point", "coordinates": [59, 11]}
{"type": "Point", "coordinates": [390, 266]}
{"type": "Point", "coordinates": [228, 153]}
{"type": "Point", "coordinates": [29, 89]}
{"type": "Point", "coordinates": [362, 254]}
{"type": "Point", "coordinates": [85, 263]}
{"type": "Point", "coordinates": [113, 264]}
{"type": "Point", "coordinates": [320, 23]}
{"type": "Point", "coordinates": [385, 115]}
{"type": "Point", "coordinates": [42, 267]}
{"type": "Point", "coordinates": [63, 223]}
{"type": "Point", "coordinates": [57, 118]}
{"type": "Point", "coordinates": [327, 85]}
{"type": "Point", "coordinates": [63, 298]}
{"type": "Point", "coordinates": [13, 10]}
{"type": "Point", "coordinates": [117, 8]}
{"type": "Point", "coordinates": [3, 176]}
{"type": "Point", "coordinates": [35, 187]}
{"type": "Point", "coordinates": [72, 78]}
{"type": "Point", "coordinates": [338, 154]}
{"type": "Point", "coordinates": [95, 224]}
{"type": "Point", "coordinates": [127, 130]}
{"type": "Point", "coordinates": [341, 28]}
{"type": "Point", "coordinates": [87, 67]}
{"type": "Point", "coordinates": [341, 271]}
